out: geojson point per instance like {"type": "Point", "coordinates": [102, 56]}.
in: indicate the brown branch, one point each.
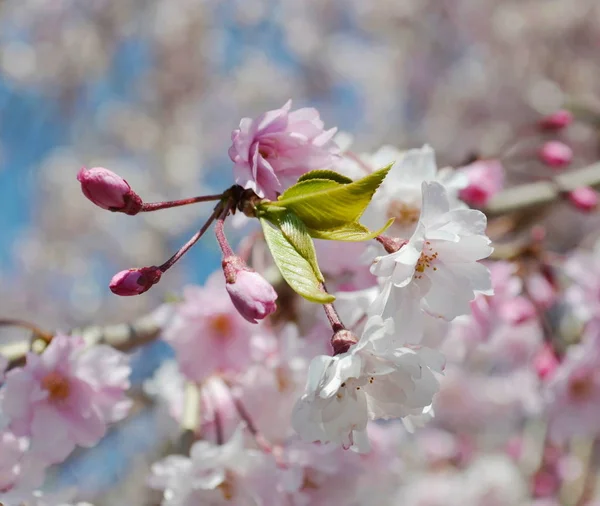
{"type": "Point", "coordinates": [531, 195]}
{"type": "Point", "coordinates": [123, 337]}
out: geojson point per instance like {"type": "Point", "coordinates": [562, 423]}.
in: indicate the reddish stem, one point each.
{"type": "Point", "coordinates": [220, 233]}
{"type": "Point", "coordinates": [332, 314]}
{"type": "Point", "coordinates": [155, 206]}
{"type": "Point", "coordinates": [193, 240]}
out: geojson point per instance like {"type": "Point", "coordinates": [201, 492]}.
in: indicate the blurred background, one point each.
{"type": "Point", "coordinates": [151, 89]}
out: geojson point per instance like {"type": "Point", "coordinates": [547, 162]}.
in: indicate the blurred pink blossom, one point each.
{"type": "Point", "coordinates": [209, 335]}
{"type": "Point", "coordinates": [572, 395]}
{"type": "Point", "coordinates": [66, 396]}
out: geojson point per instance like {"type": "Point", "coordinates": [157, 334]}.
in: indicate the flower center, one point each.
{"type": "Point", "coordinates": [57, 386]}
{"type": "Point", "coordinates": [427, 258]}
{"type": "Point", "coordinates": [581, 387]}
{"type": "Point", "coordinates": [266, 150]}
{"type": "Point", "coordinates": [220, 325]}
{"type": "Point", "coordinates": [283, 382]}
{"type": "Point", "coordinates": [226, 487]}
{"type": "Point", "coordinates": [404, 213]}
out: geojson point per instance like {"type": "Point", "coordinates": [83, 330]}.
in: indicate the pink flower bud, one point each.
{"type": "Point", "coordinates": [134, 281]}
{"type": "Point", "coordinates": [485, 179]}
{"type": "Point", "coordinates": [251, 294]}
{"type": "Point", "coordinates": [584, 198]}
{"type": "Point", "coordinates": [108, 190]}
{"type": "Point", "coordinates": [545, 362]}
{"type": "Point", "coordinates": [556, 154]}
{"type": "Point", "coordinates": [556, 121]}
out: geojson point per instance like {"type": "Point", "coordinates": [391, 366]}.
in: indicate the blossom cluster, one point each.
{"type": "Point", "coordinates": [275, 400]}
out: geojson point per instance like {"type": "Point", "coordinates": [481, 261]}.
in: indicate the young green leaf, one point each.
{"type": "Point", "coordinates": [295, 232]}
{"type": "Point", "coordinates": [324, 204]}
{"type": "Point", "coordinates": [294, 268]}
{"type": "Point", "coordinates": [353, 232]}
{"type": "Point", "coordinates": [325, 174]}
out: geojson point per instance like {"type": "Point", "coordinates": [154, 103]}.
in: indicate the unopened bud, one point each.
{"type": "Point", "coordinates": [134, 281]}
{"type": "Point", "coordinates": [556, 154]}
{"type": "Point", "coordinates": [252, 295]}
{"type": "Point", "coordinates": [108, 190]}
{"type": "Point", "coordinates": [584, 198]}
{"type": "Point", "coordinates": [342, 340]}
{"type": "Point", "coordinates": [485, 179]}
{"type": "Point", "coordinates": [545, 362]}
{"type": "Point", "coordinates": [556, 121]}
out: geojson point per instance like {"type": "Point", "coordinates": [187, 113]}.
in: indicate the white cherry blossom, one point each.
{"type": "Point", "coordinates": [399, 196]}
{"type": "Point", "coordinates": [437, 271]}
{"type": "Point", "coordinates": [365, 383]}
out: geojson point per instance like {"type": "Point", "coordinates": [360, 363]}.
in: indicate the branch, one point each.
{"type": "Point", "coordinates": [123, 337]}
{"type": "Point", "coordinates": [527, 196]}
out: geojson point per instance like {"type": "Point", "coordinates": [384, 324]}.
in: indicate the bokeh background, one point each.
{"type": "Point", "coordinates": [152, 89]}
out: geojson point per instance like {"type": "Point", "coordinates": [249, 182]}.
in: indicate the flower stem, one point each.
{"type": "Point", "coordinates": [155, 206]}
{"type": "Point", "coordinates": [219, 230]}
{"type": "Point", "coordinates": [193, 240]}
{"type": "Point", "coordinates": [332, 314]}
{"type": "Point", "coordinates": [261, 441]}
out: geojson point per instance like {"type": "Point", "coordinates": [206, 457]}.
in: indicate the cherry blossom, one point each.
{"type": "Point", "coordinates": [572, 394]}
{"type": "Point", "coordinates": [345, 391]}
{"type": "Point", "coordinates": [66, 396]}
{"type": "Point", "coordinates": [437, 271]}
{"type": "Point", "coordinates": [209, 335]}
{"type": "Point", "coordinates": [400, 195]}
{"type": "Point", "coordinates": [272, 151]}
{"type": "Point", "coordinates": [212, 474]}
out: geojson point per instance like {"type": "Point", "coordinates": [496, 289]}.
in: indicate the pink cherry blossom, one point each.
{"type": "Point", "coordinates": [209, 335]}
{"type": "Point", "coordinates": [66, 396]}
{"type": "Point", "coordinates": [572, 395]}
{"type": "Point", "coordinates": [272, 151]}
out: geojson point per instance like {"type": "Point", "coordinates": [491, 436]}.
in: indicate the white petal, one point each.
{"type": "Point", "coordinates": [435, 202]}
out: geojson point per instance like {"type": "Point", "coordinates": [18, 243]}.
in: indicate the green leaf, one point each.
{"type": "Point", "coordinates": [325, 174]}
{"type": "Point", "coordinates": [296, 233]}
{"type": "Point", "coordinates": [324, 204]}
{"type": "Point", "coordinates": [353, 232]}
{"type": "Point", "coordinates": [294, 268]}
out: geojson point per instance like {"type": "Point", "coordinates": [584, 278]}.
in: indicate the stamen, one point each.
{"type": "Point", "coordinates": [57, 386]}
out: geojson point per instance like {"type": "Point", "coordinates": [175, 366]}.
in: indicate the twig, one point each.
{"type": "Point", "coordinates": [526, 196]}
{"type": "Point", "coordinates": [124, 337]}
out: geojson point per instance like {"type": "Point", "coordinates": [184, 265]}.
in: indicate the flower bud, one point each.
{"type": "Point", "coordinates": [485, 179]}
{"type": "Point", "coordinates": [134, 281]}
{"type": "Point", "coordinates": [556, 154]}
{"type": "Point", "coordinates": [556, 121]}
{"type": "Point", "coordinates": [251, 294]}
{"type": "Point", "coordinates": [545, 362]}
{"type": "Point", "coordinates": [584, 198]}
{"type": "Point", "coordinates": [108, 190]}
{"type": "Point", "coordinates": [342, 340]}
